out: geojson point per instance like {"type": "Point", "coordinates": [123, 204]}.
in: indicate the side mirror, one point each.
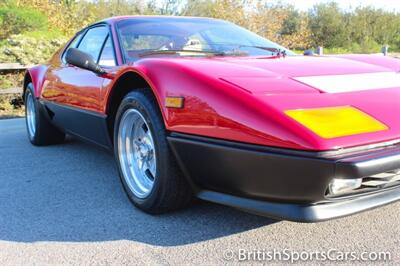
{"type": "Point", "coordinates": [308, 53]}
{"type": "Point", "coordinates": [83, 60]}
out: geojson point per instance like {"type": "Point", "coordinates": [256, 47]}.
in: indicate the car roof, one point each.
{"type": "Point", "coordinates": [113, 20]}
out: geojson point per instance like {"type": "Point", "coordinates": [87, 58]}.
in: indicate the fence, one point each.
{"type": "Point", "coordinates": [12, 67]}
{"type": "Point", "coordinates": [9, 67]}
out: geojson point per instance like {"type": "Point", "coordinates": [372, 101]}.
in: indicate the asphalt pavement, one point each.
{"type": "Point", "coordinates": [64, 204]}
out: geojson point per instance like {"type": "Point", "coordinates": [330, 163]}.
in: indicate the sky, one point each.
{"type": "Point", "coordinates": [390, 5]}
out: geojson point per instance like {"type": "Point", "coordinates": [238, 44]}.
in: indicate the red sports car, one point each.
{"type": "Point", "coordinates": [201, 107]}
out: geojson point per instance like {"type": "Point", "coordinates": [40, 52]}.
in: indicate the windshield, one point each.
{"type": "Point", "coordinates": [191, 37]}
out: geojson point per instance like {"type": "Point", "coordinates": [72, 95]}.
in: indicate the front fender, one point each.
{"type": "Point", "coordinates": [215, 108]}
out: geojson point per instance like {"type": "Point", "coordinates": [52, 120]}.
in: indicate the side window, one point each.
{"type": "Point", "coordinates": [135, 44]}
{"type": "Point", "coordinates": [72, 44]}
{"type": "Point", "coordinates": [107, 55]}
{"type": "Point", "coordinates": [144, 42]}
{"type": "Point", "coordinates": [93, 41]}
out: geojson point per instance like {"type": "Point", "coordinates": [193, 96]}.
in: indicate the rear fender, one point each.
{"type": "Point", "coordinates": [36, 75]}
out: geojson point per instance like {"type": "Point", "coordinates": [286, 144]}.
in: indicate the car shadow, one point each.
{"type": "Point", "coordinates": [71, 192]}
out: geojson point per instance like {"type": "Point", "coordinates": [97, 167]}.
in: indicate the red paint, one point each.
{"type": "Point", "coordinates": [234, 98]}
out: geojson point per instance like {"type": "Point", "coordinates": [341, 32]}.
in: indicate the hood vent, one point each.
{"type": "Point", "coordinates": [352, 82]}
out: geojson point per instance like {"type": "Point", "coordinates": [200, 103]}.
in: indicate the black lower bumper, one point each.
{"type": "Point", "coordinates": [280, 183]}
{"type": "Point", "coordinates": [307, 213]}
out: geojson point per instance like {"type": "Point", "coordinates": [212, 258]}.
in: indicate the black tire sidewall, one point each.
{"type": "Point", "coordinates": [139, 101]}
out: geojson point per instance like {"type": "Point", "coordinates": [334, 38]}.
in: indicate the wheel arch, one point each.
{"type": "Point", "coordinates": [35, 75]}
{"type": "Point", "coordinates": [27, 80]}
{"type": "Point", "coordinates": [127, 82]}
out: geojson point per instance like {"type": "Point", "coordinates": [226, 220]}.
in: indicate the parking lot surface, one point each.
{"type": "Point", "coordinates": [64, 204]}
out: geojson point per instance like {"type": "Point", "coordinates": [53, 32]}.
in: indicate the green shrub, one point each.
{"type": "Point", "coordinates": [369, 47]}
{"type": "Point", "coordinates": [338, 50]}
{"type": "Point", "coordinates": [28, 50]}
{"type": "Point", "coordinates": [16, 20]}
{"type": "Point", "coordinates": [355, 48]}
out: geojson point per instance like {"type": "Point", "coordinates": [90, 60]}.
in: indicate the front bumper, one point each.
{"type": "Point", "coordinates": [304, 212]}
{"type": "Point", "coordinates": [281, 183]}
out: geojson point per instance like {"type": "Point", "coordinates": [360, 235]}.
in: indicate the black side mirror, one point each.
{"type": "Point", "coordinates": [83, 60]}
{"type": "Point", "coordinates": [308, 53]}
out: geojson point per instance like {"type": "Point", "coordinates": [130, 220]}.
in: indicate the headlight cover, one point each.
{"type": "Point", "coordinates": [334, 122]}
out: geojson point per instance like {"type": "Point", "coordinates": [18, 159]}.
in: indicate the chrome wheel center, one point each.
{"type": "Point", "coordinates": [136, 153]}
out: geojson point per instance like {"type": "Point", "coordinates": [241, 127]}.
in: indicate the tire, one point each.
{"type": "Point", "coordinates": [40, 131]}
{"type": "Point", "coordinates": [162, 187]}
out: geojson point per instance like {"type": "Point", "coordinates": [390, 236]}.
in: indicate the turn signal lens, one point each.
{"type": "Point", "coordinates": [333, 122]}
{"type": "Point", "coordinates": [174, 102]}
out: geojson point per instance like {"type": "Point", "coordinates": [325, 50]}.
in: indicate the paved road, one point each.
{"type": "Point", "coordinates": [64, 205]}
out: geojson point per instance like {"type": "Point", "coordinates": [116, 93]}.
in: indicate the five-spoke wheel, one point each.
{"type": "Point", "coordinates": [147, 166]}
{"type": "Point", "coordinates": [30, 114]}
{"type": "Point", "coordinates": [136, 152]}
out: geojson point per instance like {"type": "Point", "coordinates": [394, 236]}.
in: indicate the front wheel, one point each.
{"type": "Point", "coordinates": [147, 167]}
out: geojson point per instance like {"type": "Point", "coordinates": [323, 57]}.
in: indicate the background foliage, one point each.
{"type": "Point", "coordinates": [33, 29]}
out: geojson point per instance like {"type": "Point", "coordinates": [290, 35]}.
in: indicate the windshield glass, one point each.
{"type": "Point", "coordinates": [191, 37]}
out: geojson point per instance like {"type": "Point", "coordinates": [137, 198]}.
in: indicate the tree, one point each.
{"type": "Point", "coordinates": [374, 25]}
{"type": "Point", "coordinates": [327, 24]}
{"type": "Point", "coordinates": [170, 7]}
{"type": "Point", "coordinates": [198, 8]}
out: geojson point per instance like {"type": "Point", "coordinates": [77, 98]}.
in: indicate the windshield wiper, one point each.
{"type": "Point", "coordinates": [275, 51]}
{"type": "Point", "coordinates": [155, 52]}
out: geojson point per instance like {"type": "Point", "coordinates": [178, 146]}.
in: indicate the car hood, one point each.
{"type": "Point", "coordinates": [368, 83]}
{"type": "Point", "coordinates": [303, 74]}
{"type": "Point", "coordinates": [268, 87]}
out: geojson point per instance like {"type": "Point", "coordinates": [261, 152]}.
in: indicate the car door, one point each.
{"type": "Point", "coordinates": [76, 93]}
{"type": "Point", "coordinates": [77, 87]}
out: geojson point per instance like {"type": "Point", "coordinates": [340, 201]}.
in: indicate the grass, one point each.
{"type": "Point", "coordinates": [11, 106]}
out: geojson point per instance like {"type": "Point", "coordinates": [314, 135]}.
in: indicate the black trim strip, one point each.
{"type": "Point", "coordinates": [45, 102]}
{"type": "Point", "coordinates": [122, 51]}
{"type": "Point", "coordinates": [330, 154]}
{"type": "Point", "coordinates": [102, 48]}
{"type": "Point", "coordinates": [308, 213]}
{"type": "Point", "coordinates": [87, 125]}
{"type": "Point", "coordinates": [247, 146]}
